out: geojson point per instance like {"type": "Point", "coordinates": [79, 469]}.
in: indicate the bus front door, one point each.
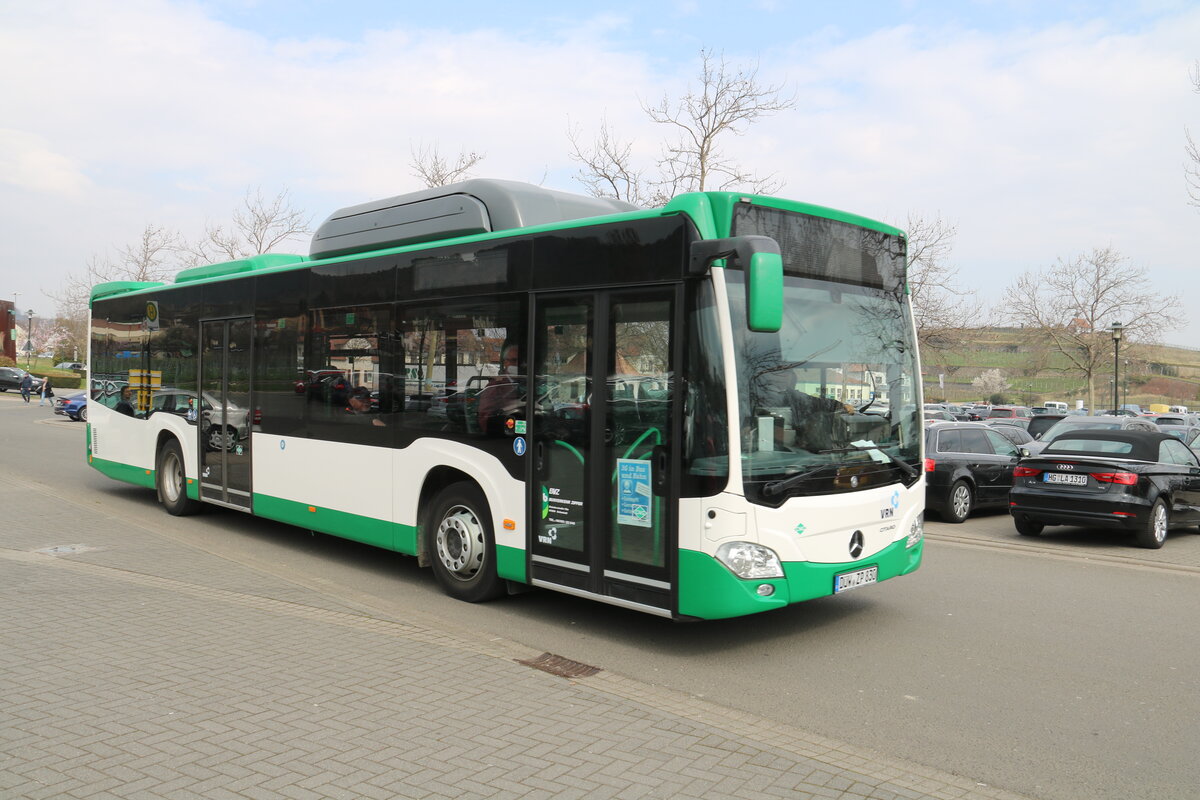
{"type": "Point", "coordinates": [224, 415]}
{"type": "Point", "coordinates": [604, 401]}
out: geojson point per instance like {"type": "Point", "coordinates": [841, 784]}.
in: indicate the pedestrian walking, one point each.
{"type": "Point", "coordinates": [26, 386]}
{"type": "Point", "coordinates": [45, 390]}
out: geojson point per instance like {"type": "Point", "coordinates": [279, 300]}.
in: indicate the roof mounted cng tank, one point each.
{"type": "Point", "coordinates": [458, 209]}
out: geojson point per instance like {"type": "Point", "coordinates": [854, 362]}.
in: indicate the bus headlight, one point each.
{"type": "Point", "coordinates": [750, 561]}
{"type": "Point", "coordinates": [916, 531]}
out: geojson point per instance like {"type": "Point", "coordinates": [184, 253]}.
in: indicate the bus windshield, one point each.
{"type": "Point", "coordinates": [827, 404]}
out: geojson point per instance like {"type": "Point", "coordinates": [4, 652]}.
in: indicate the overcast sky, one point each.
{"type": "Point", "coordinates": [1041, 129]}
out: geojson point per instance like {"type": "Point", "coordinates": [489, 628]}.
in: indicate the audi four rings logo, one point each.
{"type": "Point", "coordinates": [856, 544]}
{"type": "Point", "coordinates": [1064, 466]}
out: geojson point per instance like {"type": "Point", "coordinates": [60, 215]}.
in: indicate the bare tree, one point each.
{"type": "Point", "coordinates": [1192, 168]}
{"type": "Point", "coordinates": [608, 169]}
{"type": "Point", "coordinates": [151, 258]}
{"type": "Point", "coordinates": [259, 226]}
{"type": "Point", "coordinates": [941, 308]}
{"type": "Point", "coordinates": [729, 99]}
{"type": "Point", "coordinates": [434, 170]}
{"type": "Point", "coordinates": [1073, 304]}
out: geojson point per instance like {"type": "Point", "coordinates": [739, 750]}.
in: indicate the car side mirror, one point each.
{"type": "Point", "coordinates": [1025, 452]}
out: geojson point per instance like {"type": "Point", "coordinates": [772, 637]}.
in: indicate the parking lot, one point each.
{"type": "Point", "coordinates": [995, 529]}
{"type": "Point", "coordinates": [226, 653]}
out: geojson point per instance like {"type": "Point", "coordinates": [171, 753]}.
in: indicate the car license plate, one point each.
{"type": "Point", "coordinates": [853, 580]}
{"type": "Point", "coordinates": [1067, 478]}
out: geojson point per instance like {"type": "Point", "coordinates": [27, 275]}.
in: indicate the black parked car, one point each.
{"type": "Point", "coordinates": [977, 413]}
{"type": "Point", "coordinates": [1014, 433]}
{"type": "Point", "coordinates": [11, 377]}
{"type": "Point", "coordinates": [1142, 481]}
{"type": "Point", "coordinates": [1041, 423]}
{"type": "Point", "coordinates": [967, 465]}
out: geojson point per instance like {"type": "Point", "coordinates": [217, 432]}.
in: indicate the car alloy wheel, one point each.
{"type": "Point", "coordinates": [1153, 532]}
{"type": "Point", "coordinates": [960, 502]}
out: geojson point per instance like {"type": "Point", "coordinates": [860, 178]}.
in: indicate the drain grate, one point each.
{"type": "Point", "coordinates": [557, 665]}
{"type": "Point", "coordinates": [65, 549]}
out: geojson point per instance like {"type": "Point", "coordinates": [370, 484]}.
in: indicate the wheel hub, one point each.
{"type": "Point", "coordinates": [172, 477]}
{"type": "Point", "coordinates": [460, 543]}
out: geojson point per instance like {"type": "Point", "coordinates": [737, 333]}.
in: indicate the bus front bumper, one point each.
{"type": "Point", "coordinates": [708, 590]}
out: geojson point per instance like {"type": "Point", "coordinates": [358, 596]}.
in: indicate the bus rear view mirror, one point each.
{"type": "Point", "coordinates": [759, 257]}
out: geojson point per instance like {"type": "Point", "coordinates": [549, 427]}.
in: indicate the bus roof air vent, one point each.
{"type": "Point", "coordinates": [112, 288]}
{"type": "Point", "coordinates": [228, 268]}
{"type": "Point", "coordinates": [459, 209]}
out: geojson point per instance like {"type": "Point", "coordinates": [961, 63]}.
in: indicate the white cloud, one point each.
{"type": "Point", "coordinates": [1038, 143]}
{"type": "Point", "coordinates": [27, 162]}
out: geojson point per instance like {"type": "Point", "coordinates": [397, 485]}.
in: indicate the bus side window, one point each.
{"type": "Point", "coordinates": [348, 376]}
{"type": "Point", "coordinates": [461, 365]}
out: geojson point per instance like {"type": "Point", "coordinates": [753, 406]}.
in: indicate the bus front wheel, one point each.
{"type": "Point", "coordinates": [461, 544]}
{"type": "Point", "coordinates": [171, 481]}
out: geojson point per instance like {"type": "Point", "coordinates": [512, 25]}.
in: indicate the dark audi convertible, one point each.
{"type": "Point", "coordinates": [1142, 481]}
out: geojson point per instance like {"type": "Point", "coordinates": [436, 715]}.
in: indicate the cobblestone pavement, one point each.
{"type": "Point", "coordinates": [139, 667]}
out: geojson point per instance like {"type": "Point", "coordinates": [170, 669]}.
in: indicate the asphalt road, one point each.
{"type": "Point", "coordinates": [1058, 668]}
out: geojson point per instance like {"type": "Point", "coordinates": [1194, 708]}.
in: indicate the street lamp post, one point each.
{"type": "Point", "coordinates": [29, 339]}
{"type": "Point", "coordinates": [1125, 384]}
{"type": "Point", "coordinates": [1117, 330]}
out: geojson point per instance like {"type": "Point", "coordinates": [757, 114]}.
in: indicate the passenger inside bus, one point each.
{"type": "Point", "coordinates": [501, 398]}
{"type": "Point", "coordinates": [125, 404]}
{"type": "Point", "coordinates": [360, 405]}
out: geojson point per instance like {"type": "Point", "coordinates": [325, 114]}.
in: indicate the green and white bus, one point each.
{"type": "Point", "coordinates": [698, 411]}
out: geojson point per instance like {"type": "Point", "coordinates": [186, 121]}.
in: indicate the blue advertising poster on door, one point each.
{"type": "Point", "coordinates": [633, 493]}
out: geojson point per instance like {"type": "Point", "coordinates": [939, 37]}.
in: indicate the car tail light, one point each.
{"type": "Point", "coordinates": [1026, 472]}
{"type": "Point", "coordinates": [930, 465]}
{"type": "Point", "coordinates": [1123, 478]}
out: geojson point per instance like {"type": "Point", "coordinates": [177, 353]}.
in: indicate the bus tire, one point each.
{"type": "Point", "coordinates": [461, 545]}
{"type": "Point", "coordinates": [170, 478]}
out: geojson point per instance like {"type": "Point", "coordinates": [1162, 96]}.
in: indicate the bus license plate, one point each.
{"type": "Point", "coordinates": [853, 580]}
{"type": "Point", "coordinates": [1065, 477]}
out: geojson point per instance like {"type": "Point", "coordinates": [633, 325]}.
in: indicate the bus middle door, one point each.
{"type": "Point", "coordinates": [602, 506]}
{"type": "Point", "coordinates": [224, 412]}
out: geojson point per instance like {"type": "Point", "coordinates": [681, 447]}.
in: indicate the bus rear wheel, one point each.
{"type": "Point", "coordinates": [170, 479]}
{"type": "Point", "coordinates": [461, 544]}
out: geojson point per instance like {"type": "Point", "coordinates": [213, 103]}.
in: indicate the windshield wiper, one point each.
{"type": "Point", "coordinates": [869, 447]}
{"type": "Point", "coordinates": [780, 486]}
{"type": "Point", "coordinates": [871, 402]}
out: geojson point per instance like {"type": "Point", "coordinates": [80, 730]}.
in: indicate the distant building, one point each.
{"type": "Point", "coordinates": [8, 329]}
{"type": "Point", "coordinates": [1079, 325]}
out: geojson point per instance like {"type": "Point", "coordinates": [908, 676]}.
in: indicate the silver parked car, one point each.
{"type": "Point", "coordinates": [1076, 424]}
{"type": "Point", "coordinates": [215, 434]}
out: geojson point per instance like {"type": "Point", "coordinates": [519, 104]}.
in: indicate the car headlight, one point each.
{"type": "Point", "coordinates": [750, 561]}
{"type": "Point", "coordinates": [916, 531]}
